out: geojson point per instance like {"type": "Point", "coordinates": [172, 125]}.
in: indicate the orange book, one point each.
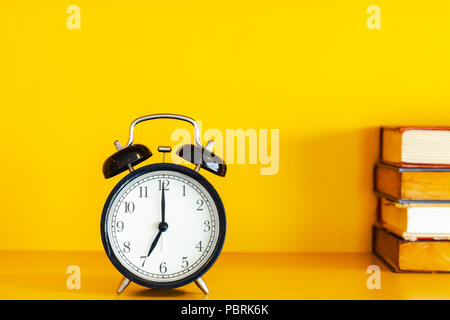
{"type": "Point", "coordinates": [403, 255]}
{"type": "Point", "coordinates": [412, 184]}
{"type": "Point", "coordinates": [416, 146]}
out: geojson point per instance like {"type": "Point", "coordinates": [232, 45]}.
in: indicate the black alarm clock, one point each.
{"type": "Point", "coordinates": [163, 225]}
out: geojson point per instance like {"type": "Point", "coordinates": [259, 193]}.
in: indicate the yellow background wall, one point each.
{"type": "Point", "coordinates": [313, 70]}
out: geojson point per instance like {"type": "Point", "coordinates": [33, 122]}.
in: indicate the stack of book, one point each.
{"type": "Point", "coordinates": [412, 181]}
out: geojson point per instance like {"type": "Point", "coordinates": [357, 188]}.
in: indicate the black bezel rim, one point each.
{"type": "Point", "coordinates": [222, 225]}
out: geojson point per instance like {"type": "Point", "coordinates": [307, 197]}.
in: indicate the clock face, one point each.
{"type": "Point", "coordinates": [164, 225]}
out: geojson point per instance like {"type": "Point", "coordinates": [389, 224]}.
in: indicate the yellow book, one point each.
{"type": "Point", "coordinates": [413, 184]}
{"type": "Point", "coordinates": [403, 255]}
{"type": "Point", "coordinates": [412, 221]}
{"type": "Point", "coordinates": [416, 145]}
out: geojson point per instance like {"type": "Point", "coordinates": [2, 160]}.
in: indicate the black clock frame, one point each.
{"type": "Point", "coordinates": [222, 225]}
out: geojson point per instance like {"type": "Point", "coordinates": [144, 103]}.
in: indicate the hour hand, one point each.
{"type": "Point", "coordinates": [153, 245]}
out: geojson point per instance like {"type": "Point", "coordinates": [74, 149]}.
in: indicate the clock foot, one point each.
{"type": "Point", "coordinates": [202, 285]}
{"type": "Point", "coordinates": [122, 285]}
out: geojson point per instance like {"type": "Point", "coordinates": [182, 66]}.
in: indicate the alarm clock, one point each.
{"type": "Point", "coordinates": [163, 225]}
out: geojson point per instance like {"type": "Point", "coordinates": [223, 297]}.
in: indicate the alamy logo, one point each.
{"type": "Point", "coordinates": [74, 20]}
{"type": "Point", "coordinates": [74, 280]}
{"type": "Point", "coordinates": [374, 280]}
{"type": "Point", "coordinates": [374, 20]}
{"type": "Point", "coordinates": [262, 145]}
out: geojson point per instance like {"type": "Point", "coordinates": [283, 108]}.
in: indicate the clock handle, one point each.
{"type": "Point", "coordinates": [165, 116]}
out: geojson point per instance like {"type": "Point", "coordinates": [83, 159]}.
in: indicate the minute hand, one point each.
{"type": "Point", "coordinates": [163, 205]}
{"type": "Point", "coordinates": [162, 225]}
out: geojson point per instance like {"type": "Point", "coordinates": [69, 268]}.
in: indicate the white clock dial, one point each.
{"type": "Point", "coordinates": [133, 220]}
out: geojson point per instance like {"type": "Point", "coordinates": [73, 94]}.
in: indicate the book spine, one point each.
{"type": "Point", "coordinates": [386, 246]}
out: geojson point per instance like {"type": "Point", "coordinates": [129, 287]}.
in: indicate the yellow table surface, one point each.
{"type": "Point", "coordinates": [42, 275]}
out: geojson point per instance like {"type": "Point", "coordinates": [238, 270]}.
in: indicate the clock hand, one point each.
{"type": "Point", "coordinates": [162, 227]}
{"type": "Point", "coordinates": [152, 247]}
{"type": "Point", "coordinates": [163, 205]}
{"type": "Point", "coordinates": [163, 211]}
